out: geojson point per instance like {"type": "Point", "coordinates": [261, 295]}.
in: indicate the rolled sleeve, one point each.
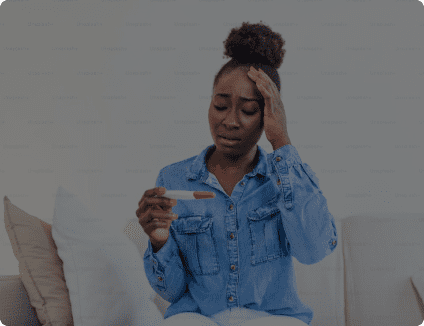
{"type": "Point", "coordinates": [164, 270]}
{"type": "Point", "coordinates": [309, 226]}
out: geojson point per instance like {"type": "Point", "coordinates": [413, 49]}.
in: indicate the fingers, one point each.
{"type": "Point", "coordinates": [158, 191]}
{"type": "Point", "coordinates": [155, 219]}
{"type": "Point", "coordinates": [163, 216]}
{"type": "Point", "coordinates": [267, 83]}
{"type": "Point", "coordinates": [156, 203]}
{"type": "Point", "coordinates": [149, 223]}
{"type": "Point", "coordinates": [163, 202]}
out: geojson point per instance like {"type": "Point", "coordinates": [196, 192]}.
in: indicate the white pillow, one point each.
{"type": "Point", "coordinates": [103, 268]}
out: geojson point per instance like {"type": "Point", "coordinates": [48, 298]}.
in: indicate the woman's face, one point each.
{"type": "Point", "coordinates": [231, 115]}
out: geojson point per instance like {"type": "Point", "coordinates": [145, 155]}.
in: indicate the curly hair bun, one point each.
{"type": "Point", "coordinates": [255, 43]}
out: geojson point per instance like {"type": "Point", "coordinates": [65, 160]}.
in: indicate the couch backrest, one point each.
{"type": "Point", "coordinates": [321, 285]}
{"type": "Point", "coordinates": [381, 253]}
{"type": "Point", "coordinates": [365, 281]}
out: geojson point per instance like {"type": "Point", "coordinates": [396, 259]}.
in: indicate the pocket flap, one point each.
{"type": "Point", "coordinates": [263, 212]}
{"type": "Point", "coordinates": [191, 224]}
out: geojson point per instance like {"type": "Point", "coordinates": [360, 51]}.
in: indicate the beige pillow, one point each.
{"type": "Point", "coordinates": [40, 267]}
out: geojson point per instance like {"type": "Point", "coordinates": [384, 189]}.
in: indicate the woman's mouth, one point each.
{"type": "Point", "coordinates": [229, 142]}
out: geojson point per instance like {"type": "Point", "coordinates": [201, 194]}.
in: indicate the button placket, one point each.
{"type": "Point", "coordinates": [160, 280]}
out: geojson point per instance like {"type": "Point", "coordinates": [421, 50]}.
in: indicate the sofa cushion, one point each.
{"type": "Point", "coordinates": [417, 281]}
{"type": "Point", "coordinates": [103, 268]}
{"type": "Point", "coordinates": [381, 252]}
{"type": "Point", "coordinates": [321, 285]}
{"type": "Point", "coordinates": [15, 308]}
{"type": "Point", "coordinates": [40, 267]}
{"type": "Point", "coordinates": [136, 234]}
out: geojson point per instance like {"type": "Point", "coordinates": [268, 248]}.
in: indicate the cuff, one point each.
{"type": "Point", "coordinates": [158, 261]}
{"type": "Point", "coordinates": [164, 255]}
{"type": "Point", "coordinates": [281, 160]}
{"type": "Point", "coordinates": [286, 155]}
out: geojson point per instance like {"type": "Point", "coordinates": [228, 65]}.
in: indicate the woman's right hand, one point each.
{"type": "Point", "coordinates": [155, 215]}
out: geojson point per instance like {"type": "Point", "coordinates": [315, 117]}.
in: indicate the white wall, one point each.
{"type": "Point", "coordinates": [93, 97]}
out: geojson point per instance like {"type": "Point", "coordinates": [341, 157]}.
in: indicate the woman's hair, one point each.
{"type": "Point", "coordinates": [253, 45]}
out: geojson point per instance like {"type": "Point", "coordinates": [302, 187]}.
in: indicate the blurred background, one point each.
{"type": "Point", "coordinates": [99, 96]}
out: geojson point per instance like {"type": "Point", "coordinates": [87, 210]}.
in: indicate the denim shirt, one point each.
{"type": "Point", "coordinates": [236, 251]}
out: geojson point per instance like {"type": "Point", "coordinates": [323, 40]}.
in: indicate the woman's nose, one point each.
{"type": "Point", "coordinates": [231, 116]}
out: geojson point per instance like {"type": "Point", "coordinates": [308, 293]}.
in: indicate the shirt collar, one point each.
{"type": "Point", "coordinates": [198, 167]}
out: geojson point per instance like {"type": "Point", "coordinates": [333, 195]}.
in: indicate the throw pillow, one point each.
{"type": "Point", "coordinates": [103, 268]}
{"type": "Point", "coordinates": [40, 267]}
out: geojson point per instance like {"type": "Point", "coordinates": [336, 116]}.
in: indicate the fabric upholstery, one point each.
{"type": "Point", "coordinates": [40, 266]}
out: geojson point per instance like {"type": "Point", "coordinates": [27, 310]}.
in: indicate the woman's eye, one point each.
{"type": "Point", "coordinates": [222, 108]}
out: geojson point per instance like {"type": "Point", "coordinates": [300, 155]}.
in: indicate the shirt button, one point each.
{"type": "Point", "coordinates": [278, 182]}
{"type": "Point", "coordinates": [160, 278]}
{"type": "Point", "coordinates": [233, 267]}
{"type": "Point", "coordinates": [278, 159]}
{"type": "Point", "coordinates": [231, 206]}
{"type": "Point", "coordinates": [242, 183]}
{"type": "Point", "coordinates": [334, 242]}
{"type": "Point", "coordinates": [231, 298]}
{"type": "Point", "coordinates": [232, 236]}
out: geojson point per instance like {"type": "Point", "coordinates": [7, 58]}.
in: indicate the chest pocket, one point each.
{"type": "Point", "coordinates": [267, 235]}
{"type": "Point", "coordinates": [194, 235]}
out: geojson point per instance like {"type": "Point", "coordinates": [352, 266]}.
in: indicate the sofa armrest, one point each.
{"type": "Point", "coordinates": [15, 308]}
{"type": "Point", "coordinates": [417, 281]}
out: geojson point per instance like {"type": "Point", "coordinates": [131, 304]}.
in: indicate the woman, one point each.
{"type": "Point", "coordinates": [228, 260]}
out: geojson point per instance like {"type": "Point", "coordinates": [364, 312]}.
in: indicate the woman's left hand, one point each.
{"type": "Point", "coordinates": [275, 123]}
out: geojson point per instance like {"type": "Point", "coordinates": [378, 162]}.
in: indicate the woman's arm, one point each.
{"type": "Point", "coordinates": [165, 271]}
{"type": "Point", "coordinates": [309, 226]}
{"type": "Point", "coordinates": [163, 265]}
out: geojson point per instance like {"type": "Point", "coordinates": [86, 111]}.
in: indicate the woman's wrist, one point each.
{"type": "Point", "coordinates": [156, 246]}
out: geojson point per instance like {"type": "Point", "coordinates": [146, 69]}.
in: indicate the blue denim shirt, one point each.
{"type": "Point", "coordinates": [237, 250]}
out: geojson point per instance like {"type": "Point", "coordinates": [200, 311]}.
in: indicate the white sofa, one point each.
{"type": "Point", "coordinates": [374, 277]}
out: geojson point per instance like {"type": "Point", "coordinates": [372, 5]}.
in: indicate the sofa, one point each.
{"type": "Point", "coordinates": [374, 277]}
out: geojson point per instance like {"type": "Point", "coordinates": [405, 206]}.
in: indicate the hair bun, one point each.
{"type": "Point", "coordinates": [255, 43]}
